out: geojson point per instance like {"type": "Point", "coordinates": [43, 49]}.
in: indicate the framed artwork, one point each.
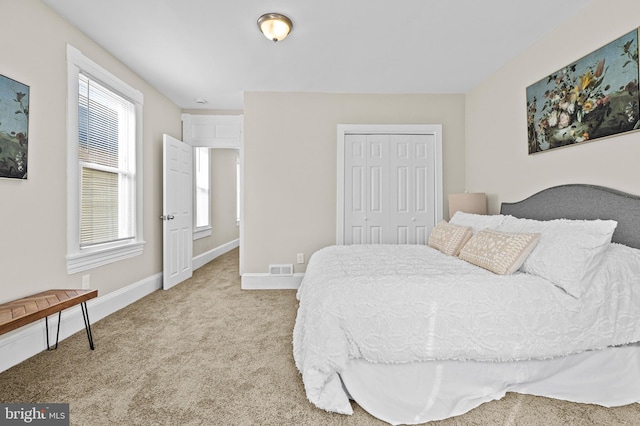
{"type": "Point", "coordinates": [14, 128]}
{"type": "Point", "coordinates": [592, 98]}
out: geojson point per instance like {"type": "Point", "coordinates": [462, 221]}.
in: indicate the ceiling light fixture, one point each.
{"type": "Point", "coordinates": [275, 26]}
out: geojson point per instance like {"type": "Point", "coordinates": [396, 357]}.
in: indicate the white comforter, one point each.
{"type": "Point", "coordinates": [400, 304]}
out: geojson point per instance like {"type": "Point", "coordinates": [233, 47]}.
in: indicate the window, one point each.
{"type": "Point", "coordinates": [237, 190]}
{"type": "Point", "coordinates": [104, 221]}
{"type": "Point", "coordinates": [202, 197]}
{"type": "Point", "coordinates": [106, 154]}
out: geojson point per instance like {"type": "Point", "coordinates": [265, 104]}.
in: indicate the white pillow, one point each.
{"type": "Point", "coordinates": [477, 221]}
{"type": "Point", "coordinates": [618, 274]}
{"type": "Point", "coordinates": [568, 250]}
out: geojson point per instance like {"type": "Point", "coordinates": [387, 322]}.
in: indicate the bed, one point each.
{"type": "Point", "coordinates": [414, 334]}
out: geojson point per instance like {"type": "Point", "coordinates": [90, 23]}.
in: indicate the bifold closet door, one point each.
{"type": "Point", "coordinates": [366, 189]}
{"type": "Point", "coordinates": [389, 188]}
{"type": "Point", "coordinates": [411, 188]}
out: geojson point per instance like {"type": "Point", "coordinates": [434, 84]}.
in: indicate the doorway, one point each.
{"type": "Point", "coordinates": [221, 137]}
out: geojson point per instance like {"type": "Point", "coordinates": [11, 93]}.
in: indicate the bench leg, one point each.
{"type": "Point", "coordinates": [46, 323]}
{"type": "Point", "coordinates": [87, 324]}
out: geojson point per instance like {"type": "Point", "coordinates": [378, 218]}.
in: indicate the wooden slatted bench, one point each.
{"type": "Point", "coordinates": [20, 312]}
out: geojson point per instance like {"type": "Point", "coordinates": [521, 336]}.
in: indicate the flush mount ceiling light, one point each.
{"type": "Point", "coordinates": [275, 26]}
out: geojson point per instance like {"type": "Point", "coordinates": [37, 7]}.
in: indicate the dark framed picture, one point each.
{"type": "Point", "coordinates": [14, 128]}
{"type": "Point", "coordinates": [592, 98]}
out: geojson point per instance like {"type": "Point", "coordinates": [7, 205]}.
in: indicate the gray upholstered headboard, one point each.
{"type": "Point", "coordinates": [583, 202]}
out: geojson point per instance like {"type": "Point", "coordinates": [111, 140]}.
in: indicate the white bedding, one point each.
{"type": "Point", "coordinates": [420, 392]}
{"type": "Point", "coordinates": [399, 304]}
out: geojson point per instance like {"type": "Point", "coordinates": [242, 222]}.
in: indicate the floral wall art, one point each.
{"type": "Point", "coordinates": [594, 97]}
{"type": "Point", "coordinates": [14, 128]}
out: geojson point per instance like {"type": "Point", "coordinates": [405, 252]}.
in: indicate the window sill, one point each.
{"type": "Point", "coordinates": [78, 262]}
{"type": "Point", "coordinates": [201, 233]}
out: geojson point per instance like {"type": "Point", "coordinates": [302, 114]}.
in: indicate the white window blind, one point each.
{"type": "Point", "coordinates": [106, 154]}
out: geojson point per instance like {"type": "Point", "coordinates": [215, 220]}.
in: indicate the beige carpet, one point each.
{"type": "Point", "coordinates": [208, 353]}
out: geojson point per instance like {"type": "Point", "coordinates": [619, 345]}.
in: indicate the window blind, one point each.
{"type": "Point", "coordinates": [106, 154]}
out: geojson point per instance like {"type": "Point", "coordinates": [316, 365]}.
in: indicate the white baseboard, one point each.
{"type": "Point", "coordinates": [207, 257]}
{"type": "Point", "coordinates": [25, 342]}
{"type": "Point", "coordinates": [251, 281]}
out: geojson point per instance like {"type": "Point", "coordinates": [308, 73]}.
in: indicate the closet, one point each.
{"type": "Point", "coordinates": [389, 184]}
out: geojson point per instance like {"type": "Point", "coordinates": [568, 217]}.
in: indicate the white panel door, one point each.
{"type": "Point", "coordinates": [389, 188]}
{"type": "Point", "coordinates": [367, 185]}
{"type": "Point", "coordinates": [401, 189]}
{"type": "Point", "coordinates": [377, 185]}
{"type": "Point", "coordinates": [424, 190]}
{"type": "Point", "coordinates": [355, 189]}
{"type": "Point", "coordinates": [177, 207]}
{"type": "Point", "coordinates": [412, 183]}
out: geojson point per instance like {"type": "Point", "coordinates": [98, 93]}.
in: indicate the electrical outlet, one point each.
{"type": "Point", "coordinates": [86, 281]}
{"type": "Point", "coordinates": [300, 257]}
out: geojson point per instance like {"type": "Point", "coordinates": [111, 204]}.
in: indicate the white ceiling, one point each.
{"type": "Point", "coordinates": [212, 49]}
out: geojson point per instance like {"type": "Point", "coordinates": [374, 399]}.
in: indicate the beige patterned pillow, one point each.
{"type": "Point", "coordinates": [449, 238]}
{"type": "Point", "coordinates": [499, 252]}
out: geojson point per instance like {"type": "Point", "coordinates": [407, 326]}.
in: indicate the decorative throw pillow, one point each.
{"type": "Point", "coordinates": [499, 252]}
{"type": "Point", "coordinates": [568, 250]}
{"type": "Point", "coordinates": [449, 238]}
{"type": "Point", "coordinates": [477, 221]}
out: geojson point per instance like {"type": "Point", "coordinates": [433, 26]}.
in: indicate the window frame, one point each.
{"type": "Point", "coordinates": [84, 258]}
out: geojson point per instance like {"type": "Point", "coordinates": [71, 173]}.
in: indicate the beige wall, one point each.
{"type": "Point", "coordinates": [223, 201]}
{"type": "Point", "coordinates": [496, 149]}
{"type": "Point", "coordinates": [290, 163]}
{"type": "Point", "coordinates": [33, 212]}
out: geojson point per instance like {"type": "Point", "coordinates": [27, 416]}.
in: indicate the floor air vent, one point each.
{"type": "Point", "coordinates": [281, 270]}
